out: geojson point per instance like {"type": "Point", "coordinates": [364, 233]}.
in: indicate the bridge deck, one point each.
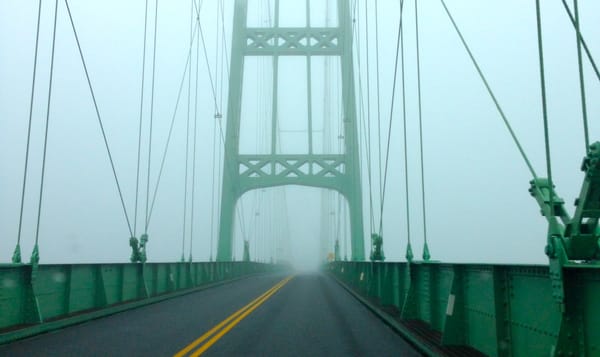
{"type": "Point", "coordinates": [310, 315]}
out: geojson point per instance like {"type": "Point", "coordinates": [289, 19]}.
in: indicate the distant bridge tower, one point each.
{"type": "Point", "coordinates": [313, 166]}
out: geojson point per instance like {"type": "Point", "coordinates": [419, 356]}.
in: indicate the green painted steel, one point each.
{"type": "Point", "coordinates": [339, 172]}
{"type": "Point", "coordinates": [573, 240]}
{"type": "Point", "coordinates": [138, 249]}
{"type": "Point", "coordinates": [377, 247]}
{"type": "Point", "coordinates": [572, 243]}
{"type": "Point", "coordinates": [34, 299]}
{"type": "Point", "coordinates": [500, 310]}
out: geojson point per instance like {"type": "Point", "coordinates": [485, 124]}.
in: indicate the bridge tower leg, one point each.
{"type": "Point", "coordinates": [335, 171]}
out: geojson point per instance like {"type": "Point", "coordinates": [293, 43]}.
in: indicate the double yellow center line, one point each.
{"type": "Point", "coordinates": [214, 334]}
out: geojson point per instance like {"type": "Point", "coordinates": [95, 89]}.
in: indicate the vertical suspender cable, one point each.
{"type": "Point", "coordinates": [345, 225]}
{"type": "Point", "coordinates": [338, 223]}
{"type": "Point", "coordinates": [151, 118]}
{"type": "Point", "coordinates": [426, 255]}
{"type": "Point", "coordinates": [224, 40]}
{"type": "Point", "coordinates": [366, 124]}
{"type": "Point", "coordinates": [378, 93]}
{"type": "Point", "coordinates": [409, 254]}
{"type": "Point", "coordinates": [220, 174]}
{"type": "Point", "coordinates": [240, 211]}
{"type": "Point", "coordinates": [212, 212]}
{"type": "Point", "coordinates": [544, 107]}
{"type": "Point", "coordinates": [35, 257]}
{"type": "Point", "coordinates": [137, 177]}
{"type": "Point", "coordinates": [220, 153]}
{"type": "Point", "coordinates": [224, 62]}
{"type": "Point", "coordinates": [366, 130]}
{"type": "Point", "coordinates": [194, 145]}
{"type": "Point", "coordinates": [368, 119]}
{"type": "Point", "coordinates": [218, 84]}
{"type": "Point", "coordinates": [187, 136]}
{"type": "Point", "coordinates": [16, 258]}
{"type": "Point", "coordinates": [381, 184]}
{"type": "Point", "coordinates": [581, 79]}
{"type": "Point", "coordinates": [398, 43]}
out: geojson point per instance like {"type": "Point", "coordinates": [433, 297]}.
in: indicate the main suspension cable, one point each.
{"type": "Point", "coordinates": [112, 164]}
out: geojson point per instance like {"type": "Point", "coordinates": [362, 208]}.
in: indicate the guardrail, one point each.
{"type": "Point", "coordinates": [498, 310]}
{"type": "Point", "coordinates": [46, 297]}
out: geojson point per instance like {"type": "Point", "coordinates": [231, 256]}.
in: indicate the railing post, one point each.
{"type": "Point", "coordinates": [68, 288]}
{"type": "Point", "coordinates": [410, 306]}
{"type": "Point", "coordinates": [501, 311]}
{"type": "Point", "coordinates": [454, 324]}
{"type": "Point", "coordinates": [396, 294]}
{"type": "Point", "coordinates": [100, 298]}
{"type": "Point", "coordinates": [571, 336]}
{"type": "Point", "coordinates": [141, 279]}
{"type": "Point", "coordinates": [121, 278]}
{"type": "Point", "coordinates": [31, 310]}
{"type": "Point", "coordinates": [387, 296]}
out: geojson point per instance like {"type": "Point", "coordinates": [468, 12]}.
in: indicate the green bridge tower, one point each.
{"type": "Point", "coordinates": [338, 171]}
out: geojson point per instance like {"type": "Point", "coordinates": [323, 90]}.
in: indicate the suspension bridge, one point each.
{"type": "Point", "coordinates": [167, 227]}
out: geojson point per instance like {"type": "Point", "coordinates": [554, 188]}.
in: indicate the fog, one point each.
{"type": "Point", "coordinates": [477, 203]}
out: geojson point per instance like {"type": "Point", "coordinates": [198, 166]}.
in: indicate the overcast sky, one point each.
{"type": "Point", "coordinates": [478, 207]}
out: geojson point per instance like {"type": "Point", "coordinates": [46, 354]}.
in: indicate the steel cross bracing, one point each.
{"type": "Point", "coordinates": [339, 172]}
{"type": "Point", "coordinates": [322, 41]}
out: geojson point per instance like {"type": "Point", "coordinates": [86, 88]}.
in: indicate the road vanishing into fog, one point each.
{"type": "Point", "coordinates": [266, 315]}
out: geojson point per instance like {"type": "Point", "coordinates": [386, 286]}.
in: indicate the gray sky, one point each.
{"type": "Point", "coordinates": [478, 207]}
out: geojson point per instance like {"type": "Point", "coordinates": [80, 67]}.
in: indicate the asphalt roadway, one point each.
{"type": "Point", "coordinates": [267, 315]}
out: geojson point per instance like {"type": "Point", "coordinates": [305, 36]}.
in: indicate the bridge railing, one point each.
{"type": "Point", "coordinates": [37, 299]}
{"type": "Point", "coordinates": [499, 310]}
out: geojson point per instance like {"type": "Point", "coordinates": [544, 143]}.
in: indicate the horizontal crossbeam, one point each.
{"type": "Point", "coordinates": [293, 41]}
{"type": "Point", "coordinates": [255, 171]}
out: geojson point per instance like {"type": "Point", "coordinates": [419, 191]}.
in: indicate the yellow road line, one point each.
{"type": "Point", "coordinates": [222, 323]}
{"type": "Point", "coordinates": [259, 299]}
{"type": "Point", "coordinates": [227, 328]}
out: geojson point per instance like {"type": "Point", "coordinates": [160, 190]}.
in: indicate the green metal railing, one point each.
{"type": "Point", "coordinates": [500, 310]}
{"type": "Point", "coordinates": [35, 299]}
